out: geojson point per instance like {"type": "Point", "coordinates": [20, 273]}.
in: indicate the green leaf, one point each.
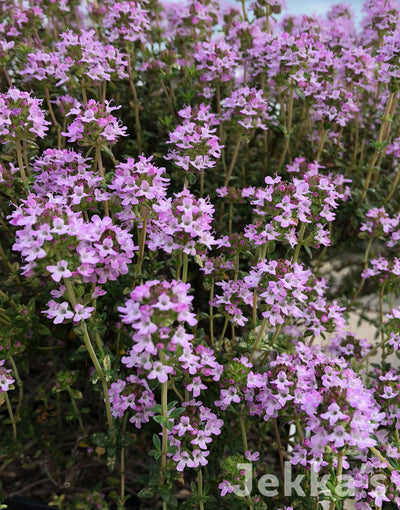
{"type": "Point", "coordinates": [155, 453]}
{"type": "Point", "coordinates": [176, 412]}
{"type": "Point", "coordinates": [100, 439]}
{"type": "Point", "coordinates": [171, 405]}
{"type": "Point", "coordinates": [307, 248]}
{"type": "Point", "coordinates": [156, 409]}
{"type": "Point", "coordinates": [159, 419]}
{"type": "Point", "coordinates": [157, 441]}
{"type": "Point", "coordinates": [169, 498]}
{"type": "Point", "coordinates": [147, 492]}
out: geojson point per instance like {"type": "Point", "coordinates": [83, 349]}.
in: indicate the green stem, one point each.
{"type": "Point", "coordinates": [185, 267]}
{"type": "Point", "coordinates": [20, 387]}
{"type": "Point", "coordinates": [224, 329]}
{"type": "Point", "coordinates": [339, 469]}
{"type": "Point", "coordinates": [244, 433]}
{"type": "Point", "coordinates": [78, 413]}
{"type": "Point", "coordinates": [383, 132]}
{"type": "Point", "coordinates": [53, 117]}
{"type": "Point", "coordinates": [361, 285]}
{"type": "Point", "coordinates": [258, 338]}
{"type": "Point", "coordinates": [321, 143]}
{"type": "Point", "coordinates": [121, 503]}
{"type": "Point", "coordinates": [101, 173]}
{"type": "Point", "coordinates": [288, 126]}
{"type": "Point", "coordinates": [201, 182]}
{"type": "Point", "coordinates": [164, 412]}
{"type": "Point", "coordinates": [233, 160]}
{"type": "Point", "coordinates": [299, 243]}
{"type": "Point", "coordinates": [298, 427]}
{"type": "Point", "coordinates": [279, 442]}
{"type": "Point", "coordinates": [136, 107]}
{"type": "Point", "coordinates": [12, 418]}
{"type": "Point", "coordinates": [200, 489]}
{"type": "Point", "coordinates": [212, 314]}
{"type": "Point", "coordinates": [236, 266]}
{"type": "Point", "coordinates": [230, 216]}
{"type": "Point", "coordinates": [393, 187]}
{"type": "Point", "coordinates": [20, 162]}
{"type": "Point", "coordinates": [142, 242]}
{"type": "Point", "coordinates": [378, 454]}
{"type": "Point", "coordinates": [220, 126]}
{"type": "Point", "coordinates": [92, 354]}
{"type": "Point", "coordinates": [83, 89]}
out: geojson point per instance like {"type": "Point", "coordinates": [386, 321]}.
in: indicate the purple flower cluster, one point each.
{"type": "Point", "coordinates": [182, 223]}
{"type": "Point", "coordinates": [196, 144]}
{"type": "Point", "coordinates": [21, 116]}
{"type": "Point", "coordinates": [6, 379]}
{"type": "Point", "coordinates": [94, 125]}
{"type": "Point", "coordinates": [134, 396]}
{"type": "Point", "coordinates": [76, 56]}
{"type": "Point", "coordinates": [157, 311]}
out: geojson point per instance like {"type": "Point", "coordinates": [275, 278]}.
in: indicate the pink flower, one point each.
{"type": "Point", "coordinates": [160, 372]}
{"type": "Point", "coordinates": [59, 312]}
{"type": "Point", "coordinates": [60, 270]}
{"type": "Point", "coordinates": [225, 487]}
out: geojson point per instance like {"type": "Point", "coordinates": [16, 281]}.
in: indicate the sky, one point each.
{"type": "Point", "coordinates": [320, 6]}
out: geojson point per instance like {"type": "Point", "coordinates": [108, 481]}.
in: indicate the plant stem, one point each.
{"type": "Point", "coordinates": [378, 454]}
{"type": "Point", "coordinates": [142, 242]}
{"type": "Point", "coordinates": [121, 503]}
{"type": "Point", "coordinates": [258, 338]}
{"type": "Point", "coordinates": [78, 413]}
{"type": "Point", "coordinates": [83, 89]}
{"type": "Point", "coordinates": [20, 162]}
{"type": "Point", "coordinates": [244, 433]}
{"type": "Point", "coordinates": [224, 329]}
{"type": "Point", "coordinates": [53, 117]}
{"type": "Point", "coordinates": [278, 440]}
{"type": "Point", "coordinates": [20, 387]}
{"type": "Point", "coordinates": [383, 133]}
{"type": "Point", "coordinates": [92, 354]}
{"type": "Point", "coordinates": [185, 267]}
{"type": "Point", "coordinates": [164, 412]}
{"type": "Point", "coordinates": [288, 126]}
{"type": "Point", "coordinates": [200, 489]}
{"type": "Point", "coordinates": [233, 160]}
{"type": "Point", "coordinates": [12, 418]}
{"type": "Point", "coordinates": [136, 107]}
{"type": "Point", "coordinates": [338, 475]}
{"type": "Point", "coordinates": [299, 243]}
{"type": "Point", "coordinates": [211, 314]}
{"type": "Point", "coordinates": [101, 173]}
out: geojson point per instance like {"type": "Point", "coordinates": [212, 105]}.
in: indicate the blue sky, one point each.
{"type": "Point", "coordinates": [320, 6]}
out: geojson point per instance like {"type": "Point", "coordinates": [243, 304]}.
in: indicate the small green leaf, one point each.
{"type": "Point", "coordinates": [176, 412]}
{"type": "Point", "coordinates": [157, 441]}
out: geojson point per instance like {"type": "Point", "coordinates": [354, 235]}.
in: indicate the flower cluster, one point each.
{"type": "Point", "coordinates": [192, 435]}
{"type": "Point", "coordinates": [76, 56]}
{"type": "Point", "coordinates": [152, 310]}
{"type": "Point", "coordinates": [67, 173]}
{"type": "Point", "coordinates": [196, 144]}
{"type": "Point", "coordinates": [137, 183]}
{"type": "Point", "coordinates": [288, 290]}
{"type": "Point", "coordinates": [182, 223]}
{"type": "Point", "coordinates": [247, 107]}
{"type": "Point", "coordinates": [6, 379]}
{"type": "Point", "coordinates": [127, 21]}
{"type": "Point", "coordinates": [133, 396]}
{"type": "Point", "coordinates": [21, 116]}
{"type": "Point", "coordinates": [94, 125]}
